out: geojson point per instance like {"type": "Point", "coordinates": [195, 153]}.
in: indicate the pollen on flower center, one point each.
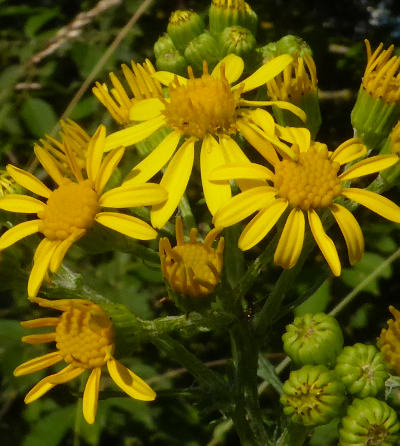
{"type": "Point", "coordinates": [311, 182]}
{"type": "Point", "coordinates": [84, 337]}
{"type": "Point", "coordinates": [205, 105]}
{"type": "Point", "coordinates": [71, 206]}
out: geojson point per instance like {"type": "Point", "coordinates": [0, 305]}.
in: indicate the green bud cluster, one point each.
{"type": "Point", "coordinates": [232, 25]}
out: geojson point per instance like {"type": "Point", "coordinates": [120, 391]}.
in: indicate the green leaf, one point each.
{"type": "Point", "coordinates": [84, 108]}
{"type": "Point", "coordinates": [266, 371]}
{"type": "Point", "coordinates": [38, 116]}
{"type": "Point", "coordinates": [317, 303]}
{"type": "Point", "coordinates": [37, 21]}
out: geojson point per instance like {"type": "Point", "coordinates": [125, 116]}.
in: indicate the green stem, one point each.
{"type": "Point", "coordinates": [187, 214]}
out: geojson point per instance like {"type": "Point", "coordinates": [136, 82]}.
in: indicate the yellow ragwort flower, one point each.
{"type": "Point", "coordinates": [141, 84]}
{"type": "Point", "coordinates": [74, 205]}
{"type": "Point", "coordinates": [72, 136]}
{"type": "Point", "coordinates": [382, 74]}
{"type": "Point", "coordinates": [295, 81]}
{"type": "Point", "coordinates": [306, 179]}
{"type": "Point", "coordinates": [206, 109]}
{"type": "Point", "coordinates": [192, 268]}
{"type": "Point", "coordinates": [84, 337]}
{"type": "Point", "coordinates": [389, 341]}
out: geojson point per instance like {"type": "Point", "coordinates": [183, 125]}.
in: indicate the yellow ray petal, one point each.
{"type": "Point", "coordinates": [39, 338]}
{"type": "Point", "coordinates": [258, 141]}
{"type": "Point", "coordinates": [174, 180]}
{"type": "Point", "coordinates": [243, 205]}
{"type": "Point", "coordinates": [62, 249]}
{"type": "Point", "coordinates": [250, 171]}
{"type": "Point", "coordinates": [21, 203]}
{"type": "Point", "coordinates": [133, 134]}
{"type": "Point", "coordinates": [91, 395]}
{"type": "Point", "coordinates": [49, 163]}
{"type": "Point", "coordinates": [324, 242]}
{"type": "Point", "coordinates": [145, 194]}
{"type": "Point", "coordinates": [351, 232]}
{"type": "Point", "coordinates": [370, 165]}
{"type": "Point", "coordinates": [66, 374]}
{"type": "Point", "coordinates": [28, 181]}
{"type": "Point", "coordinates": [36, 364]}
{"type": "Point", "coordinates": [291, 241]}
{"type": "Point", "coordinates": [263, 119]}
{"type": "Point", "coordinates": [155, 161]}
{"type": "Point", "coordinates": [261, 224]}
{"type": "Point", "coordinates": [130, 383]}
{"type": "Point", "coordinates": [234, 66]}
{"type": "Point", "coordinates": [40, 322]}
{"type": "Point", "coordinates": [95, 152]}
{"type": "Point", "coordinates": [348, 151]}
{"type": "Point", "coordinates": [280, 104]}
{"type": "Point", "coordinates": [107, 168]}
{"type": "Point", "coordinates": [127, 225]}
{"type": "Point", "coordinates": [378, 204]}
{"type": "Point", "coordinates": [41, 265]}
{"type": "Point", "coordinates": [294, 135]}
{"type": "Point", "coordinates": [265, 73]}
{"type": "Point", "coordinates": [166, 78]}
{"type": "Point", "coordinates": [211, 156]}
{"type": "Point", "coordinates": [18, 232]}
{"type": "Point", "coordinates": [38, 390]}
{"type": "Point", "coordinates": [146, 109]}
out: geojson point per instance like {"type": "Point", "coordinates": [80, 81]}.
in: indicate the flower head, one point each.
{"type": "Point", "coordinates": [74, 205]}
{"type": "Point", "coordinates": [84, 337]}
{"type": "Point", "coordinates": [389, 341]}
{"type": "Point", "coordinates": [306, 179]}
{"type": "Point", "coordinates": [206, 109]}
{"type": "Point", "coordinates": [141, 84]}
{"type": "Point", "coordinates": [192, 268]}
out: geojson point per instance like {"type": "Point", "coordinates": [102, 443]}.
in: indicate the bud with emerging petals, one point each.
{"type": "Point", "coordinates": [313, 395]}
{"type": "Point", "coordinates": [362, 370]}
{"type": "Point", "coordinates": [225, 13]}
{"type": "Point", "coordinates": [313, 339]}
{"type": "Point", "coordinates": [237, 40]}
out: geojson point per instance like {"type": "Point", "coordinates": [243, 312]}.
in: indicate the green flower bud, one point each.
{"type": "Point", "coordinates": [237, 40]}
{"type": "Point", "coordinates": [369, 422]}
{"type": "Point", "coordinates": [313, 339]}
{"type": "Point", "coordinates": [183, 27]}
{"type": "Point", "coordinates": [362, 370]}
{"type": "Point", "coordinates": [225, 13]}
{"type": "Point", "coordinates": [203, 48]}
{"type": "Point", "coordinates": [172, 61]}
{"type": "Point", "coordinates": [313, 395]}
{"type": "Point", "coordinates": [163, 45]}
{"type": "Point", "coordinates": [293, 45]}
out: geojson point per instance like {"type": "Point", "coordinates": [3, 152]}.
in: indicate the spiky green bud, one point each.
{"type": "Point", "coordinates": [313, 339]}
{"type": "Point", "coordinates": [369, 422]}
{"type": "Point", "coordinates": [225, 13]}
{"type": "Point", "coordinates": [203, 48]}
{"type": "Point", "coordinates": [362, 370]}
{"type": "Point", "coordinates": [313, 395]}
{"type": "Point", "coordinates": [237, 40]}
{"type": "Point", "coordinates": [184, 26]}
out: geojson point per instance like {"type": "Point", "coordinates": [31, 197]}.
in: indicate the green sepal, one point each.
{"type": "Point", "coordinates": [164, 44]}
{"type": "Point", "coordinates": [172, 61]}
{"type": "Point", "coordinates": [373, 119]}
{"type": "Point", "coordinates": [313, 339]}
{"type": "Point", "coordinates": [184, 26]}
{"type": "Point", "coordinates": [237, 40]}
{"type": "Point", "coordinates": [362, 370]}
{"type": "Point", "coordinates": [203, 48]}
{"type": "Point", "coordinates": [313, 395]}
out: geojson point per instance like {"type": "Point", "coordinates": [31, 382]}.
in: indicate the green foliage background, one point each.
{"type": "Point", "coordinates": [32, 98]}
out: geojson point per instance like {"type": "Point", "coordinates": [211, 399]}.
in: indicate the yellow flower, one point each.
{"type": "Point", "coordinates": [305, 180]}
{"type": "Point", "coordinates": [72, 136]}
{"type": "Point", "coordinates": [142, 86]}
{"type": "Point", "coordinates": [206, 109]}
{"type": "Point", "coordinates": [389, 341]}
{"type": "Point", "coordinates": [296, 80]}
{"type": "Point", "coordinates": [84, 337]}
{"type": "Point", "coordinates": [382, 74]}
{"type": "Point", "coordinates": [192, 268]}
{"type": "Point", "coordinates": [73, 206]}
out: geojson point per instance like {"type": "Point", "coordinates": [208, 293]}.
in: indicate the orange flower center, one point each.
{"type": "Point", "coordinates": [84, 337]}
{"type": "Point", "coordinates": [311, 182]}
{"type": "Point", "coordinates": [205, 105]}
{"type": "Point", "coordinates": [70, 207]}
